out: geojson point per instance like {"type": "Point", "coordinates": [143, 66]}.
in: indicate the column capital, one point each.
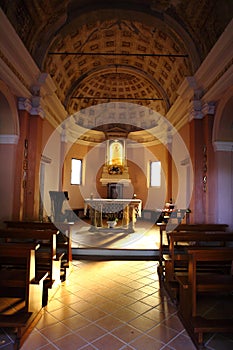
{"type": "Point", "coordinates": [63, 136]}
{"type": "Point", "coordinates": [32, 106]}
{"type": "Point", "coordinates": [196, 110]}
{"type": "Point", "coordinates": [24, 104]}
{"type": "Point", "coordinates": [37, 108]}
{"type": "Point", "coordinates": [209, 108]}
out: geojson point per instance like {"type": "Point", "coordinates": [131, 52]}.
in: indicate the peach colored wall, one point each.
{"type": "Point", "coordinates": [138, 160]}
{"type": "Point", "coordinates": [7, 157]}
{"type": "Point", "coordinates": [75, 191]}
{"type": "Point", "coordinates": [179, 172]}
{"type": "Point", "coordinates": [138, 183]}
{"type": "Point", "coordinates": [48, 129]}
{"type": "Point", "coordinates": [51, 146]}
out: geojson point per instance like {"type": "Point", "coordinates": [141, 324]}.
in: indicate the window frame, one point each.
{"type": "Point", "coordinates": [155, 173]}
{"type": "Point", "coordinates": [76, 179]}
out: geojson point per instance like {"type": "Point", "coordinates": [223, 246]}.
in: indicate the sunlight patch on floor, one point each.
{"type": "Point", "coordinates": [146, 236]}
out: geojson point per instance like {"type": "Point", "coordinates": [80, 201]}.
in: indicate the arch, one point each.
{"type": "Point", "coordinates": [223, 124]}
{"type": "Point", "coordinates": [223, 143]}
{"type": "Point", "coordinates": [9, 133]}
{"type": "Point", "coordinates": [9, 124]}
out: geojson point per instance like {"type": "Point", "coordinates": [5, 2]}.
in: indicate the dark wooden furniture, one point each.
{"type": "Point", "coordinates": [184, 228]}
{"type": "Point", "coordinates": [176, 261]}
{"type": "Point", "coordinates": [63, 238]}
{"type": "Point", "coordinates": [21, 290]}
{"type": "Point", "coordinates": [47, 258]}
{"type": "Point", "coordinates": [195, 283]}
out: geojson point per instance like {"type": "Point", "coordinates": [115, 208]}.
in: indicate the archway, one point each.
{"type": "Point", "coordinates": [8, 140]}
{"type": "Point", "coordinates": [223, 142]}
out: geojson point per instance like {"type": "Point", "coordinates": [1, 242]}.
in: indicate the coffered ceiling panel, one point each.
{"type": "Point", "coordinates": [136, 51]}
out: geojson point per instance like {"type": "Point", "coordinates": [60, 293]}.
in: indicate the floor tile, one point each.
{"type": "Point", "coordinates": [91, 332]}
{"type": "Point", "coordinates": [126, 333]}
{"type": "Point", "coordinates": [55, 331]}
{"type": "Point", "coordinates": [70, 342]}
{"type": "Point", "coordinates": [109, 323]}
{"type": "Point", "coordinates": [147, 343]}
{"type": "Point", "coordinates": [162, 333]}
{"type": "Point", "coordinates": [113, 305]}
{"type": "Point", "coordinates": [108, 342]}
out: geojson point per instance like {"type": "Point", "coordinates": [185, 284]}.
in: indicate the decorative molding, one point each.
{"type": "Point", "coordinates": [224, 146]}
{"type": "Point", "coordinates": [32, 107]}
{"type": "Point", "coordinates": [63, 135]}
{"type": "Point", "coordinates": [185, 162]}
{"type": "Point", "coordinates": [9, 139]}
{"type": "Point", "coordinates": [24, 104]}
{"type": "Point", "coordinates": [217, 62]}
{"type": "Point", "coordinates": [14, 70]}
{"type": "Point", "coordinates": [209, 108]}
{"type": "Point", "coordinates": [196, 110]}
{"type": "Point", "coordinates": [45, 159]}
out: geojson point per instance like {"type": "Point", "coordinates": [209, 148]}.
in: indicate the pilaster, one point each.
{"type": "Point", "coordinates": [196, 153]}
{"type": "Point", "coordinates": [202, 155]}
{"type": "Point", "coordinates": [26, 199]}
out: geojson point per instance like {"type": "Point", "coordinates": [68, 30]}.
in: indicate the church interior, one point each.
{"type": "Point", "coordinates": [116, 145]}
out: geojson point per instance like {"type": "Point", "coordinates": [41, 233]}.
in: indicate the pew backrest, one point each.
{"type": "Point", "coordinates": [216, 282]}
{"type": "Point", "coordinates": [63, 238]}
{"type": "Point", "coordinates": [40, 236]}
{"type": "Point", "coordinates": [14, 281]}
{"type": "Point", "coordinates": [46, 258]}
{"type": "Point", "coordinates": [196, 237]}
{"type": "Point", "coordinates": [201, 227]}
{"type": "Point", "coordinates": [38, 225]}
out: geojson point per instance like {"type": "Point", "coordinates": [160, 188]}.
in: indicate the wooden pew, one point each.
{"type": "Point", "coordinates": [196, 283]}
{"type": "Point", "coordinates": [63, 238]}
{"type": "Point", "coordinates": [176, 261]}
{"type": "Point", "coordinates": [21, 290]}
{"type": "Point", "coordinates": [47, 259]}
{"type": "Point", "coordinates": [201, 227]}
{"type": "Point", "coordinates": [183, 227]}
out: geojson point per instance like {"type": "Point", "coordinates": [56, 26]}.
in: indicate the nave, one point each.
{"type": "Point", "coordinates": [115, 305]}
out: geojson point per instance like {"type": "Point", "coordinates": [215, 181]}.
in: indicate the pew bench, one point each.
{"type": "Point", "coordinates": [176, 261]}
{"type": "Point", "coordinates": [46, 257]}
{"type": "Point", "coordinates": [63, 243]}
{"type": "Point", "coordinates": [21, 291]}
{"type": "Point", "coordinates": [196, 283]}
{"type": "Point", "coordinates": [167, 228]}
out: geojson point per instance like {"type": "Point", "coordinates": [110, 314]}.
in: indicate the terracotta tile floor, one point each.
{"type": "Point", "coordinates": [108, 305]}
{"type": "Point", "coordinates": [112, 305]}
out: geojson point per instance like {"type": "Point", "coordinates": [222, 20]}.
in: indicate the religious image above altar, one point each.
{"type": "Point", "coordinates": [115, 169]}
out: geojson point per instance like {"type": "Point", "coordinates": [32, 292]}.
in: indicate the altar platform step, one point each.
{"type": "Point", "coordinates": [114, 254]}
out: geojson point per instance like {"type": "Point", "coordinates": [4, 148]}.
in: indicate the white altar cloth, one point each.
{"type": "Point", "coordinates": [131, 209]}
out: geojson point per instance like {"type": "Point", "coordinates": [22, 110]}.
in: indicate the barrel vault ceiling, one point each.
{"type": "Point", "coordinates": [136, 51]}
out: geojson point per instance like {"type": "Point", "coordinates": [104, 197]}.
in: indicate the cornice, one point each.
{"type": "Point", "coordinates": [9, 139]}
{"type": "Point", "coordinates": [224, 146]}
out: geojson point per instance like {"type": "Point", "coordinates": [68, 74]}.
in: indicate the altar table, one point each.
{"type": "Point", "coordinates": [131, 209]}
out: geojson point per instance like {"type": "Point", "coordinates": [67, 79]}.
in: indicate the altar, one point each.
{"type": "Point", "coordinates": [129, 210]}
